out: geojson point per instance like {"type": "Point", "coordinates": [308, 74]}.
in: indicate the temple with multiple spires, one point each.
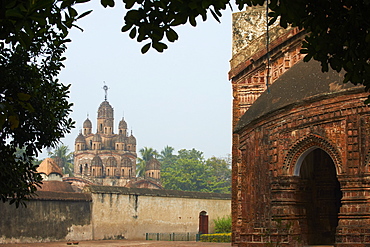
{"type": "Point", "coordinates": [107, 158]}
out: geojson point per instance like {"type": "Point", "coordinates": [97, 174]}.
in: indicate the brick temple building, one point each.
{"type": "Point", "coordinates": [301, 149]}
{"type": "Point", "coordinates": [108, 158]}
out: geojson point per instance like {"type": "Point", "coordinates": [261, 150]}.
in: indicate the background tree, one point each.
{"type": "Point", "coordinates": [186, 174]}
{"type": "Point", "coordinates": [220, 172]}
{"type": "Point", "coordinates": [146, 155]}
{"type": "Point", "coordinates": [189, 171]}
{"type": "Point", "coordinates": [166, 157]}
{"type": "Point", "coordinates": [33, 103]}
{"type": "Point", "coordinates": [192, 154]}
{"type": "Point", "coordinates": [64, 158]}
{"type": "Point", "coordinates": [21, 151]}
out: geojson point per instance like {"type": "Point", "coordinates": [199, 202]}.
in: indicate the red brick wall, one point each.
{"type": "Point", "coordinates": [248, 82]}
{"type": "Point", "coordinates": [264, 155]}
{"type": "Point", "coordinates": [264, 184]}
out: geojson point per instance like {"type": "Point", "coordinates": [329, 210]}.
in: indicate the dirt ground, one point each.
{"type": "Point", "coordinates": [120, 243]}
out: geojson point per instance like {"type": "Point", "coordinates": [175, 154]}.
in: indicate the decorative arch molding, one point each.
{"type": "Point", "coordinates": [126, 162]}
{"type": "Point", "coordinates": [111, 161]}
{"type": "Point", "coordinates": [96, 161]}
{"type": "Point", "coordinates": [303, 147]}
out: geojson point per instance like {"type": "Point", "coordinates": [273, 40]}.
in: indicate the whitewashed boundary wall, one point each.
{"type": "Point", "coordinates": [119, 212]}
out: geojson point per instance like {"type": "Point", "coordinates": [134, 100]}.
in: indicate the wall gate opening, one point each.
{"type": "Point", "coordinates": [203, 222]}
{"type": "Point", "coordinates": [320, 197]}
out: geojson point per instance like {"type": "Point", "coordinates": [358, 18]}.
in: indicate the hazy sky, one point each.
{"type": "Point", "coordinates": [181, 98]}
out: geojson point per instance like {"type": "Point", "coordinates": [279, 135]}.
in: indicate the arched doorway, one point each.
{"type": "Point", "coordinates": [320, 196]}
{"type": "Point", "coordinates": [203, 222]}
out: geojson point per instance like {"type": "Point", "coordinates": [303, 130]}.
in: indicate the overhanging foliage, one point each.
{"type": "Point", "coordinates": [34, 107]}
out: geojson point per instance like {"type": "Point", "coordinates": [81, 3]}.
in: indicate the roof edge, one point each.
{"type": "Point", "coordinates": [240, 127]}
{"type": "Point", "coordinates": [96, 189]}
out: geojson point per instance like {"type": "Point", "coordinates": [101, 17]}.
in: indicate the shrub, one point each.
{"type": "Point", "coordinates": [217, 237]}
{"type": "Point", "coordinates": [222, 224]}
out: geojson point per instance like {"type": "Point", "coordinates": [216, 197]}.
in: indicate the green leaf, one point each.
{"type": "Point", "coordinates": [131, 16]}
{"type": "Point", "coordinates": [126, 27]}
{"type": "Point", "coordinates": [158, 34]}
{"type": "Point", "coordinates": [178, 21]}
{"type": "Point", "coordinates": [133, 33]}
{"type": "Point", "coordinates": [335, 64]}
{"type": "Point", "coordinates": [192, 21]}
{"type": "Point", "coordinates": [129, 3]}
{"type": "Point", "coordinates": [171, 35]}
{"type": "Point", "coordinates": [72, 12]}
{"type": "Point", "coordinates": [283, 22]}
{"type": "Point", "coordinates": [25, 39]}
{"type": "Point", "coordinates": [215, 16]}
{"type": "Point", "coordinates": [13, 13]}
{"type": "Point", "coordinates": [14, 121]}
{"type": "Point", "coordinates": [307, 58]}
{"type": "Point", "coordinates": [324, 67]}
{"type": "Point", "coordinates": [84, 14]}
{"type": "Point", "coordinates": [107, 3]}
{"type": "Point", "coordinates": [272, 21]}
{"type": "Point", "coordinates": [159, 46]}
{"type": "Point", "coordinates": [304, 51]}
{"type": "Point", "coordinates": [204, 15]}
{"type": "Point", "coordinates": [2, 119]}
{"type": "Point", "coordinates": [23, 96]}
{"type": "Point", "coordinates": [141, 36]}
{"type": "Point", "coordinates": [38, 18]}
{"type": "Point", "coordinates": [347, 77]}
{"type": "Point", "coordinates": [145, 48]}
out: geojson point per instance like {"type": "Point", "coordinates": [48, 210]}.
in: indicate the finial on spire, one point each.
{"type": "Point", "coordinates": [105, 87]}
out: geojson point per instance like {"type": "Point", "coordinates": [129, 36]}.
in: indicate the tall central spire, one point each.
{"type": "Point", "coordinates": [105, 88]}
